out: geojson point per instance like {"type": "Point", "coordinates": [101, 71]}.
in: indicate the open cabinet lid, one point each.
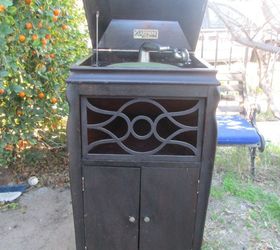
{"type": "Point", "coordinates": [187, 13]}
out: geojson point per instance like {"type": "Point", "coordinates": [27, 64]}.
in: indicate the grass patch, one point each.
{"type": "Point", "coordinates": [212, 245]}
{"type": "Point", "coordinates": [9, 206]}
{"type": "Point", "coordinates": [233, 163]}
{"type": "Point", "coordinates": [229, 158]}
{"type": "Point", "coordinates": [268, 203]}
{"type": "Point", "coordinates": [217, 192]}
{"type": "Point", "coordinates": [238, 158]}
{"type": "Point", "coordinates": [266, 116]}
{"type": "Point", "coordinates": [270, 157]}
{"type": "Point", "coordinates": [255, 204]}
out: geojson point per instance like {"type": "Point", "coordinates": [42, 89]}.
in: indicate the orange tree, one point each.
{"type": "Point", "coordinates": [39, 40]}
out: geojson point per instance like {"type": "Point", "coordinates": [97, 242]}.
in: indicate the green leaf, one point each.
{"type": "Point", "coordinates": [10, 20]}
{"type": "Point", "coordinates": [36, 43]}
{"type": "Point", "coordinates": [16, 88]}
{"type": "Point", "coordinates": [2, 43]}
{"type": "Point", "coordinates": [6, 3]}
{"type": "Point", "coordinates": [3, 73]}
{"type": "Point", "coordinates": [5, 29]}
{"type": "Point", "coordinates": [12, 10]}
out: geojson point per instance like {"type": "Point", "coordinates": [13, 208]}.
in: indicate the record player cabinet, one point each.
{"type": "Point", "coordinates": [142, 127]}
{"type": "Point", "coordinates": [141, 156]}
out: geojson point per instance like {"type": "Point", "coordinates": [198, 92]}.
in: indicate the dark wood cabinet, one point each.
{"type": "Point", "coordinates": [141, 157]}
{"type": "Point", "coordinates": [142, 128]}
{"type": "Point", "coordinates": [139, 208]}
{"type": "Point", "coordinates": [111, 201]}
{"type": "Point", "coordinates": [168, 199]}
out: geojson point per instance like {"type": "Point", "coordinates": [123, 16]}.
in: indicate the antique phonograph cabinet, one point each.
{"type": "Point", "coordinates": [142, 128]}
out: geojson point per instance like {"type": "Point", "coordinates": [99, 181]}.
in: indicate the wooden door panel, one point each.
{"type": "Point", "coordinates": [168, 198]}
{"type": "Point", "coordinates": [111, 196]}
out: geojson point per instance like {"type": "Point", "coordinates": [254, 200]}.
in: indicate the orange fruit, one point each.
{"type": "Point", "coordinates": [56, 12]}
{"type": "Point", "coordinates": [28, 26]}
{"type": "Point", "coordinates": [52, 56]}
{"type": "Point", "coordinates": [64, 27]}
{"type": "Point", "coordinates": [34, 37]}
{"type": "Point", "coordinates": [2, 8]}
{"type": "Point", "coordinates": [2, 91]}
{"type": "Point", "coordinates": [22, 144]}
{"type": "Point", "coordinates": [53, 100]}
{"type": "Point", "coordinates": [40, 25]}
{"type": "Point", "coordinates": [41, 95]}
{"type": "Point", "coordinates": [54, 126]}
{"type": "Point", "coordinates": [55, 18]}
{"type": "Point", "coordinates": [44, 41]}
{"type": "Point", "coordinates": [21, 94]}
{"type": "Point", "coordinates": [48, 36]}
{"type": "Point", "coordinates": [22, 38]}
{"type": "Point", "coordinates": [9, 147]}
{"type": "Point", "coordinates": [28, 2]}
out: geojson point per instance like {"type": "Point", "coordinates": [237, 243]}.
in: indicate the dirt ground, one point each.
{"type": "Point", "coordinates": [42, 221]}
{"type": "Point", "coordinates": [43, 218]}
{"type": "Point", "coordinates": [229, 226]}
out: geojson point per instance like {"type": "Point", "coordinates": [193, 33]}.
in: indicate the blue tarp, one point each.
{"type": "Point", "coordinates": [13, 188]}
{"type": "Point", "coordinates": [11, 192]}
{"type": "Point", "coordinates": [236, 130]}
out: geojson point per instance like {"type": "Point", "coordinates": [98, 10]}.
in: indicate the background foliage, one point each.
{"type": "Point", "coordinates": [39, 40]}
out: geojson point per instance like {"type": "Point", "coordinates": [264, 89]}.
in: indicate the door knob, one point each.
{"type": "Point", "coordinates": [147, 219]}
{"type": "Point", "coordinates": [132, 219]}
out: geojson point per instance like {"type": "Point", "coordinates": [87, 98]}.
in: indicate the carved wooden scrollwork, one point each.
{"type": "Point", "coordinates": [141, 126]}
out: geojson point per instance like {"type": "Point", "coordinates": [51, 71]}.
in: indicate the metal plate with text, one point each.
{"type": "Point", "coordinates": [146, 34]}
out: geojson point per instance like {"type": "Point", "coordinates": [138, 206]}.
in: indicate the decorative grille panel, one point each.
{"type": "Point", "coordinates": [142, 126]}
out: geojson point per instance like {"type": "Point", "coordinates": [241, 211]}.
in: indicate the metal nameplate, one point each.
{"type": "Point", "coordinates": [146, 34]}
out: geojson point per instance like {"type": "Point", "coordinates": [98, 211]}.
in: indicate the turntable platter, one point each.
{"type": "Point", "coordinates": [142, 65]}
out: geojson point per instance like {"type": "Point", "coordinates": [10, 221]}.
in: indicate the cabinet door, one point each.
{"type": "Point", "coordinates": [168, 204]}
{"type": "Point", "coordinates": [111, 203]}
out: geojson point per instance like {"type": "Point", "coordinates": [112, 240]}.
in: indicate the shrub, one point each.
{"type": "Point", "coordinates": [39, 40]}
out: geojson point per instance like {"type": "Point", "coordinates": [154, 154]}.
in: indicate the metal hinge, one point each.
{"type": "Point", "coordinates": [83, 185]}
{"type": "Point", "coordinates": [198, 186]}
{"type": "Point", "coordinates": [85, 247]}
